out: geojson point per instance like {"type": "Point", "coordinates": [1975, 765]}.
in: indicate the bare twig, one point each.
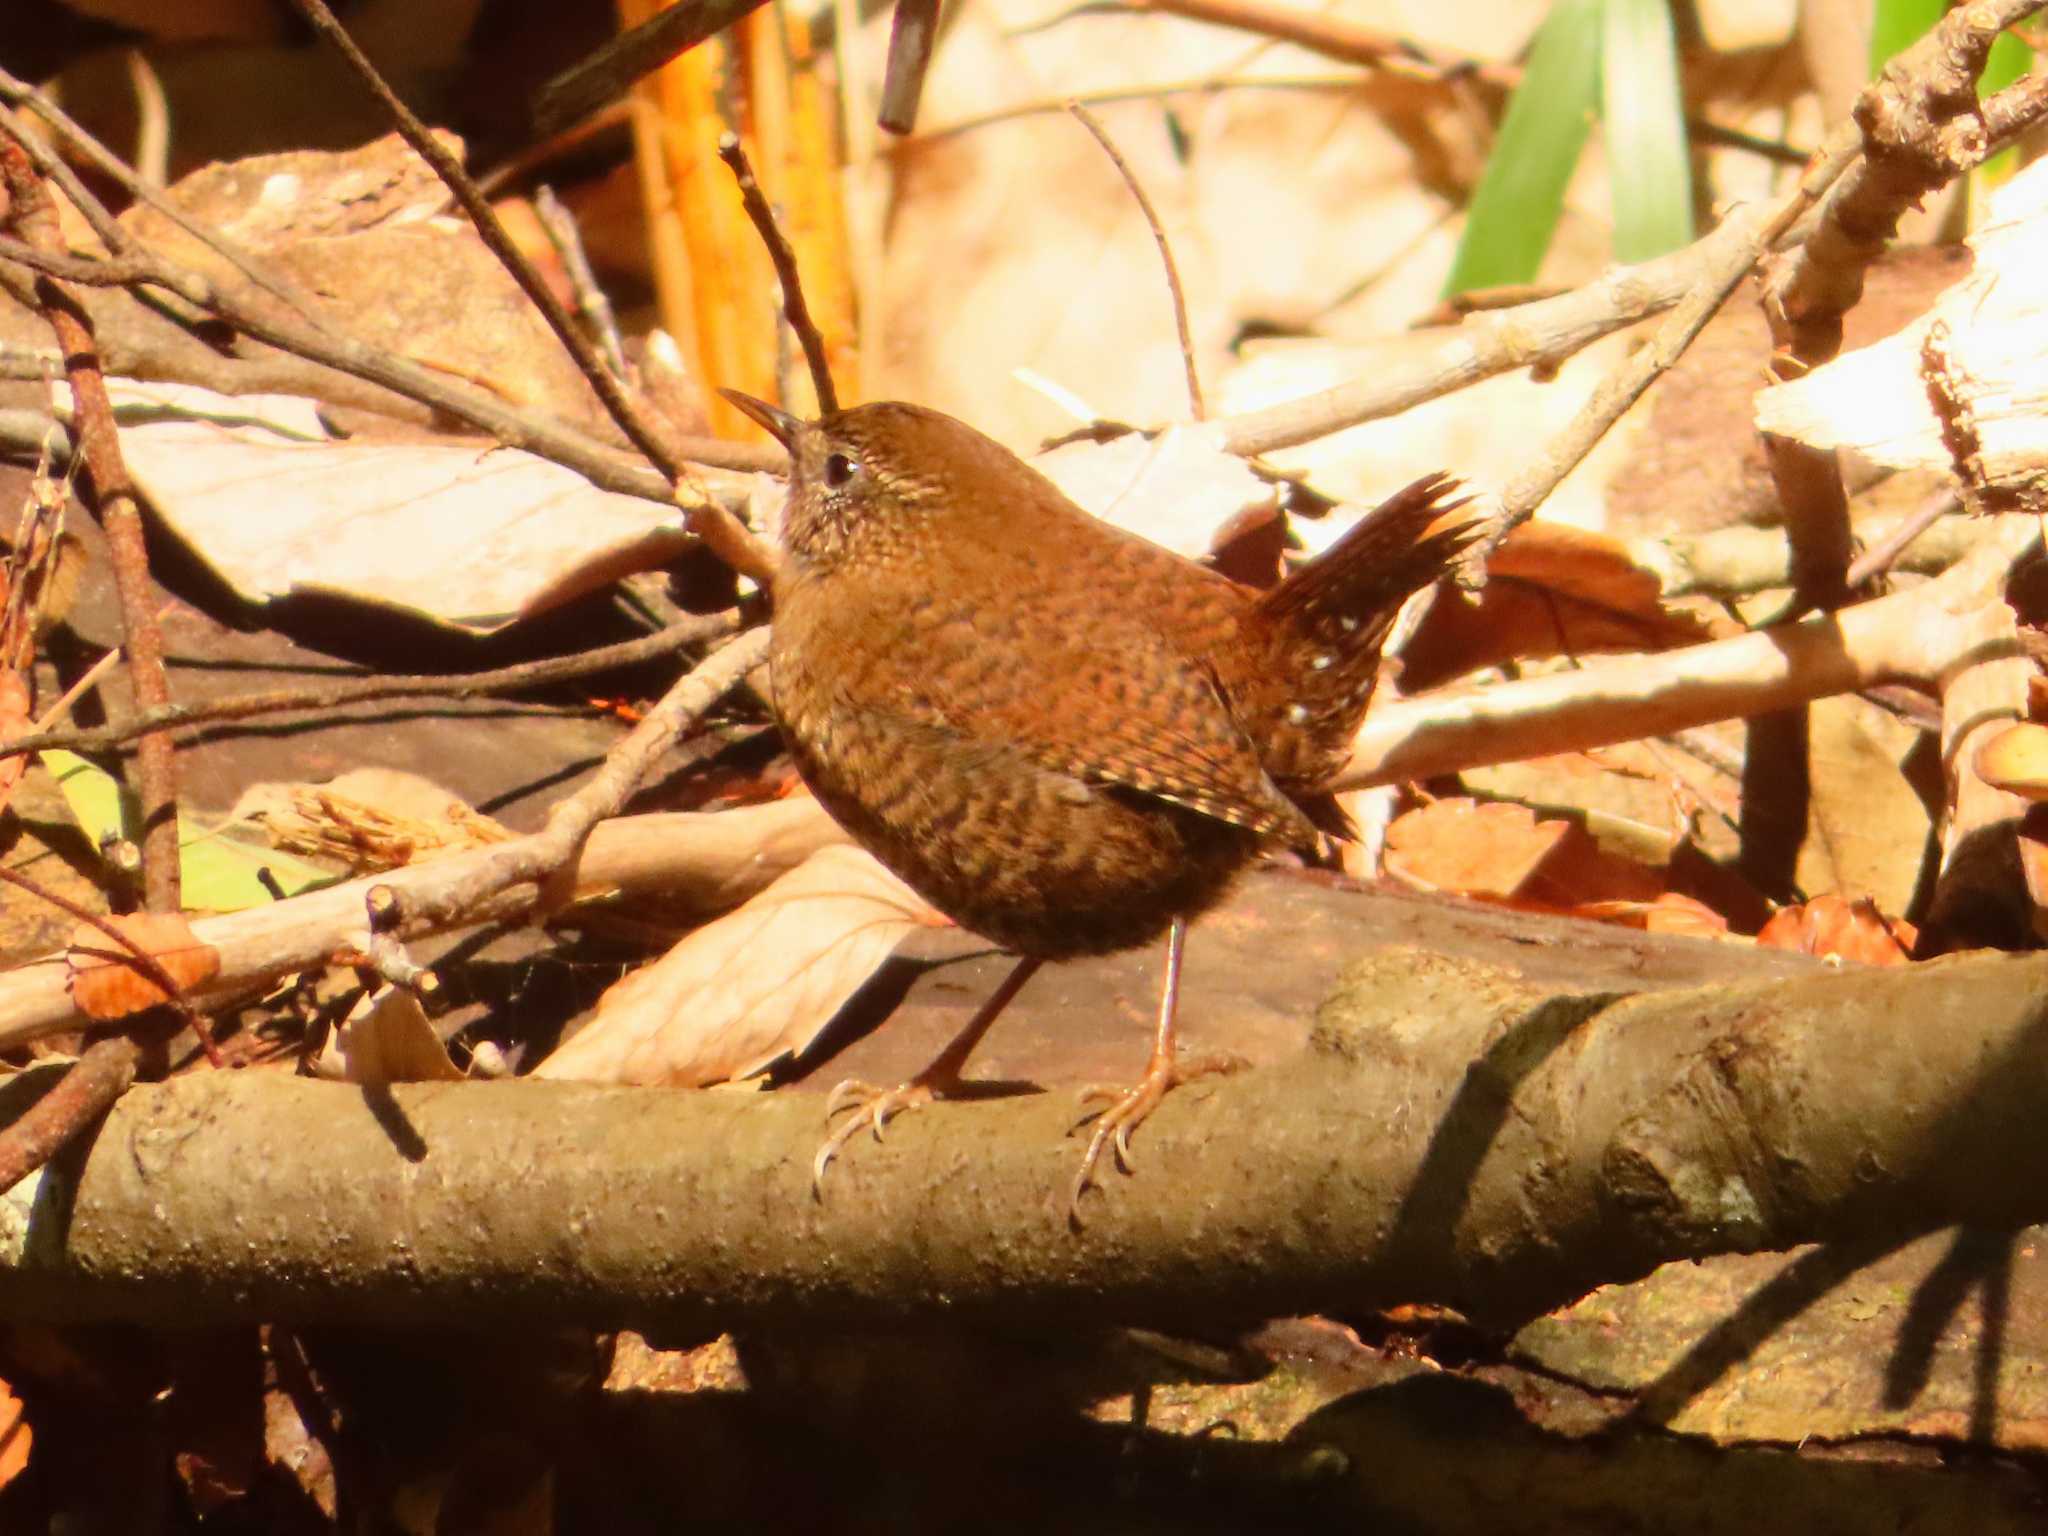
{"type": "Point", "coordinates": [609, 73]}
{"type": "Point", "coordinates": [1093, 124]}
{"type": "Point", "coordinates": [111, 231]}
{"type": "Point", "coordinates": [1923, 635]}
{"type": "Point", "coordinates": [1884, 554]}
{"type": "Point", "coordinates": [783, 256]}
{"type": "Point", "coordinates": [730, 539]}
{"type": "Point", "coordinates": [567, 240]}
{"type": "Point", "coordinates": [694, 861]}
{"type": "Point", "coordinates": [533, 431]}
{"type": "Point", "coordinates": [87, 1091]}
{"type": "Point", "coordinates": [35, 215]}
{"type": "Point", "coordinates": [1922, 127]}
{"type": "Point", "coordinates": [526, 674]}
{"type": "Point", "coordinates": [913, 29]}
{"type": "Point", "coordinates": [1734, 249]}
{"type": "Point", "coordinates": [544, 855]}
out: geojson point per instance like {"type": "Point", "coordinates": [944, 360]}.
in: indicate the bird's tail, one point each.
{"type": "Point", "coordinates": [1321, 629]}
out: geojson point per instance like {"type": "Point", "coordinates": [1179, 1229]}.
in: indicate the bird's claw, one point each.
{"type": "Point", "coordinates": [872, 1107]}
{"type": "Point", "coordinates": [1126, 1109]}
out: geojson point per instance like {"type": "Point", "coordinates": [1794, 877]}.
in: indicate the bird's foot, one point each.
{"type": "Point", "coordinates": [871, 1107]}
{"type": "Point", "coordinates": [1125, 1109]}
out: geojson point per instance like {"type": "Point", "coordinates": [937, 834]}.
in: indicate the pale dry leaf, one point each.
{"type": "Point", "coordinates": [754, 986]}
{"type": "Point", "coordinates": [1179, 488]}
{"type": "Point", "coordinates": [104, 981]}
{"type": "Point", "coordinates": [465, 534]}
{"type": "Point", "coordinates": [387, 1039]}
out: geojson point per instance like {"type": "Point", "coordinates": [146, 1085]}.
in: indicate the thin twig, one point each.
{"type": "Point", "coordinates": [86, 1092]}
{"type": "Point", "coordinates": [1199, 85]}
{"type": "Point", "coordinates": [527, 674]}
{"type": "Point", "coordinates": [730, 539]}
{"type": "Point", "coordinates": [555, 847]}
{"type": "Point", "coordinates": [567, 240]}
{"type": "Point", "coordinates": [1089, 121]}
{"type": "Point", "coordinates": [35, 214]}
{"type": "Point", "coordinates": [1881, 556]}
{"type": "Point", "coordinates": [783, 256]}
{"type": "Point", "coordinates": [19, 93]}
{"type": "Point", "coordinates": [913, 30]}
{"type": "Point", "coordinates": [1735, 247]}
{"type": "Point", "coordinates": [91, 679]}
{"type": "Point", "coordinates": [608, 73]}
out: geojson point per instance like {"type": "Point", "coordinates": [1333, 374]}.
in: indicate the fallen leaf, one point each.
{"type": "Point", "coordinates": [756, 985]}
{"type": "Point", "coordinates": [1851, 930]}
{"type": "Point", "coordinates": [466, 533]}
{"type": "Point", "coordinates": [1551, 590]}
{"type": "Point", "coordinates": [1504, 852]}
{"type": "Point", "coordinates": [1671, 912]}
{"type": "Point", "coordinates": [387, 1039]}
{"type": "Point", "coordinates": [1178, 488]}
{"type": "Point", "coordinates": [14, 720]}
{"type": "Point", "coordinates": [2016, 760]}
{"type": "Point", "coordinates": [16, 1438]}
{"type": "Point", "coordinates": [1475, 847]}
{"type": "Point", "coordinates": [104, 980]}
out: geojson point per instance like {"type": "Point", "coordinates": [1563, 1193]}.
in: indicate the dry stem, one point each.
{"type": "Point", "coordinates": [1093, 124]}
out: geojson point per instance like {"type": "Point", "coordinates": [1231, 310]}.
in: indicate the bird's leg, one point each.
{"type": "Point", "coordinates": [1127, 1107]}
{"type": "Point", "coordinates": [873, 1106]}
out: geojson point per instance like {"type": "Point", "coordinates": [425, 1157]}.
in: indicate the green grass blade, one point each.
{"type": "Point", "coordinates": [1516, 209]}
{"type": "Point", "coordinates": [1643, 108]}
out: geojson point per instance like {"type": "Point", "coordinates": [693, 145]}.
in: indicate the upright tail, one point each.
{"type": "Point", "coordinates": [1319, 632]}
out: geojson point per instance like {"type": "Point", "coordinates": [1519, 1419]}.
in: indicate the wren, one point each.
{"type": "Point", "coordinates": [1066, 738]}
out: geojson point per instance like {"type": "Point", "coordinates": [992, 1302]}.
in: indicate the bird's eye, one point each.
{"type": "Point", "coordinates": [839, 468]}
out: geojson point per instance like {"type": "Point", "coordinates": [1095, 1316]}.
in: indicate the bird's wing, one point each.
{"type": "Point", "coordinates": [1108, 700]}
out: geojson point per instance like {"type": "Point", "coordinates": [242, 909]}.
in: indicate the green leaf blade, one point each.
{"type": "Point", "coordinates": [1643, 108]}
{"type": "Point", "coordinates": [1520, 198]}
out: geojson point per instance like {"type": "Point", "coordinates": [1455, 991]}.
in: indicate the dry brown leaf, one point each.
{"type": "Point", "coordinates": [16, 1438]}
{"type": "Point", "coordinates": [1550, 591]}
{"type": "Point", "coordinates": [2016, 760]}
{"type": "Point", "coordinates": [1504, 852]}
{"type": "Point", "coordinates": [1475, 847]}
{"type": "Point", "coordinates": [1834, 925]}
{"type": "Point", "coordinates": [754, 986]}
{"type": "Point", "coordinates": [104, 981]}
{"type": "Point", "coordinates": [14, 720]}
{"type": "Point", "coordinates": [387, 1039]}
{"type": "Point", "coordinates": [1671, 912]}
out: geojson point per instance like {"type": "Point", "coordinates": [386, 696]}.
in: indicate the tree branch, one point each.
{"type": "Point", "coordinates": [1453, 1133]}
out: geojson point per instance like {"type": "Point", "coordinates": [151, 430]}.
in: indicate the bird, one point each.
{"type": "Point", "coordinates": [1066, 738]}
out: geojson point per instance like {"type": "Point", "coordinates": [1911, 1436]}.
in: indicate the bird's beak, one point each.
{"type": "Point", "coordinates": [782, 426]}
